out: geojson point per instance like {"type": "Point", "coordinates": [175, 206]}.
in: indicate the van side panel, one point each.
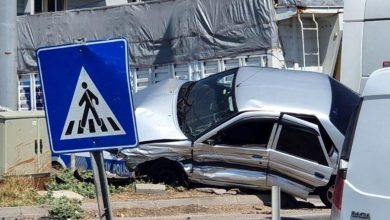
{"type": "Point", "coordinates": [354, 10]}
{"type": "Point", "coordinates": [351, 56]}
{"type": "Point", "coordinates": [376, 45]}
{"type": "Point", "coordinates": [366, 188]}
{"type": "Point", "coordinates": [377, 9]}
{"type": "Point", "coordinates": [365, 40]}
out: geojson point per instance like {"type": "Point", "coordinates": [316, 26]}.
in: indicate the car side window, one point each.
{"type": "Point", "coordinates": [302, 143]}
{"type": "Point", "coordinates": [252, 132]}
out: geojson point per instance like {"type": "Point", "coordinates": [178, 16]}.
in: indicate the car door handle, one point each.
{"type": "Point", "coordinates": [40, 145]}
{"type": "Point", "coordinates": [319, 175]}
{"type": "Point", "coordinates": [257, 156]}
{"type": "Point", "coordinates": [36, 146]}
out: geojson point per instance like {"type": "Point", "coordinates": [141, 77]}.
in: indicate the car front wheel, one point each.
{"type": "Point", "coordinates": [168, 173]}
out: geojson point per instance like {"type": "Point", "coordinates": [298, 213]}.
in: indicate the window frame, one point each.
{"type": "Point", "coordinates": [288, 120]}
{"type": "Point", "coordinates": [32, 79]}
{"type": "Point", "coordinates": [44, 5]}
{"type": "Point", "coordinates": [243, 120]}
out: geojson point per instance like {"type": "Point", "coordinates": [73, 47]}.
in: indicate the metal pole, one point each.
{"type": "Point", "coordinates": [101, 185]}
{"type": "Point", "coordinates": [275, 203]}
{"type": "Point", "coordinates": [8, 42]}
{"type": "Point", "coordinates": [32, 6]}
{"type": "Point", "coordinates": [72, 162]}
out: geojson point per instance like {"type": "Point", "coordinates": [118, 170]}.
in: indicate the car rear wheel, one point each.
{"type": "Point", "coordinates": [326, 195]}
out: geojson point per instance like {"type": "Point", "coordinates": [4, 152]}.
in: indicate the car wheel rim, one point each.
{"type": "Point", "coordinates": [329, 193]}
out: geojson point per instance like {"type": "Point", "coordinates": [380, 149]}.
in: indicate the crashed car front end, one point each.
{"type": "Point", "coordinates": [171, 150]}
{"type": "Point", "coordinates": [158, 129]}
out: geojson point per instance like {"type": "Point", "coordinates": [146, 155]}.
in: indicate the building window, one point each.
{"type": "Point", "coordinates": [49, 5]}
{"type": "Point", "coordinates": [30, 92]}
{"type": "Point", "coordinates": [38, 93]}
{"type": "Point", "coordinates": [24, 93]}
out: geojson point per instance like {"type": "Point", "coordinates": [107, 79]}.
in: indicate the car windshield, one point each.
{"type": "Point", "coordinates": [206, 103]}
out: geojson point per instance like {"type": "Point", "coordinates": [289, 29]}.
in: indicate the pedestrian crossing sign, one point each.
{"type": "Point", "coordinates": [87, 94]}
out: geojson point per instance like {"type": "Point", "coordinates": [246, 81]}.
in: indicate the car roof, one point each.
{"type": "Point", "coordinates": [282, 90]}
{"type": "Point", "coordinates": [299, 92]}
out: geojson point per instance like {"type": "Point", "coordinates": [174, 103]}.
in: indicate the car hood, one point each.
{"type": "Point", "coordinates": [155, 111]}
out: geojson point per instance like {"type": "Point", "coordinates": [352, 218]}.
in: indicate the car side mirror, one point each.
{"type": "Point", "coordinates": [211, 142]}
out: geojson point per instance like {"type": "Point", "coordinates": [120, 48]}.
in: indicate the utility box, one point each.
{"type": "Point", "coordinates": [24, 145]}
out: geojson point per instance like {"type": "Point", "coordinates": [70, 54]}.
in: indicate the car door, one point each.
{"type": "Point", "coordinates": [235, 154]}
{"type": "Point", "coordinates": [298, 161]}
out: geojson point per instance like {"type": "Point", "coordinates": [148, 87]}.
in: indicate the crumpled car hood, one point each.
{"type": "Point", "coordinates": [155, 111]}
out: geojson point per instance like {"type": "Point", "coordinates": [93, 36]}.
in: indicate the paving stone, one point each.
{"type": "Point", "coordinates": [33, 212]}
{"type": "Point", "coordinates": [219, 191]}
{"type": "Point", "coordinates": [10, 212]}
{"type": "Point", "coordinates": [150, 188]}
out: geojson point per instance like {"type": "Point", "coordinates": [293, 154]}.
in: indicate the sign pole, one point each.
{"type": "Point", "coordinates": [72, 162]}
{"type": "Point", "coordinates": [101, 185]}
{"type": "Point", "coordinates": [275, 202]}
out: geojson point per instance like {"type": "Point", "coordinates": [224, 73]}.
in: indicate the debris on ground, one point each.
{"type": "Point", "coordinates": [219, 191]}
{"type": "Point", "coordinates": [63, 193]}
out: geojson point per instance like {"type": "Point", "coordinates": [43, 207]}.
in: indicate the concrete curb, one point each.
{"type": "Point", "coordinates": [24, 212]}
{"type": "Point", "coordinates": [231, 216]}
{"type": "Point", "coordinates": [205, 201]}
{"type": "Point", "coordinates": [41, 211]}
{"type": "Point", "coordinates": [200, 217]}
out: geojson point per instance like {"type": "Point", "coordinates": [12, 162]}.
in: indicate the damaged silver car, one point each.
{"type": "Point", "coordinates": [248, 127]}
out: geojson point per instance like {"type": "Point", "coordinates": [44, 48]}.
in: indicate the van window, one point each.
{"type": "Point", "coordinates": [302, 143]}
{"type": "Point", "coordinates": [347, 146]}
{"type": "Point", "coordinates": [249, 132]}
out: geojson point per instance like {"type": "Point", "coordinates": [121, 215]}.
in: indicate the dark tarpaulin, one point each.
{"type": "Point", "coordinates": [312, 3]}
{"type": "Point", "coordinates": [159, 32]}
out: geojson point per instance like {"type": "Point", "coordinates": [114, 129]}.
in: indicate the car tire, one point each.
{"type": "Point", "coordinates": [326, 194]}
{"type": "Point", "coordinates": [168, 173]}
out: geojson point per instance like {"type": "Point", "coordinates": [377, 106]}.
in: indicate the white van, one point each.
{"type": "Point", "coordinates": [362, 188]}
{"type": "Point", "coordinates": [366, 37]}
